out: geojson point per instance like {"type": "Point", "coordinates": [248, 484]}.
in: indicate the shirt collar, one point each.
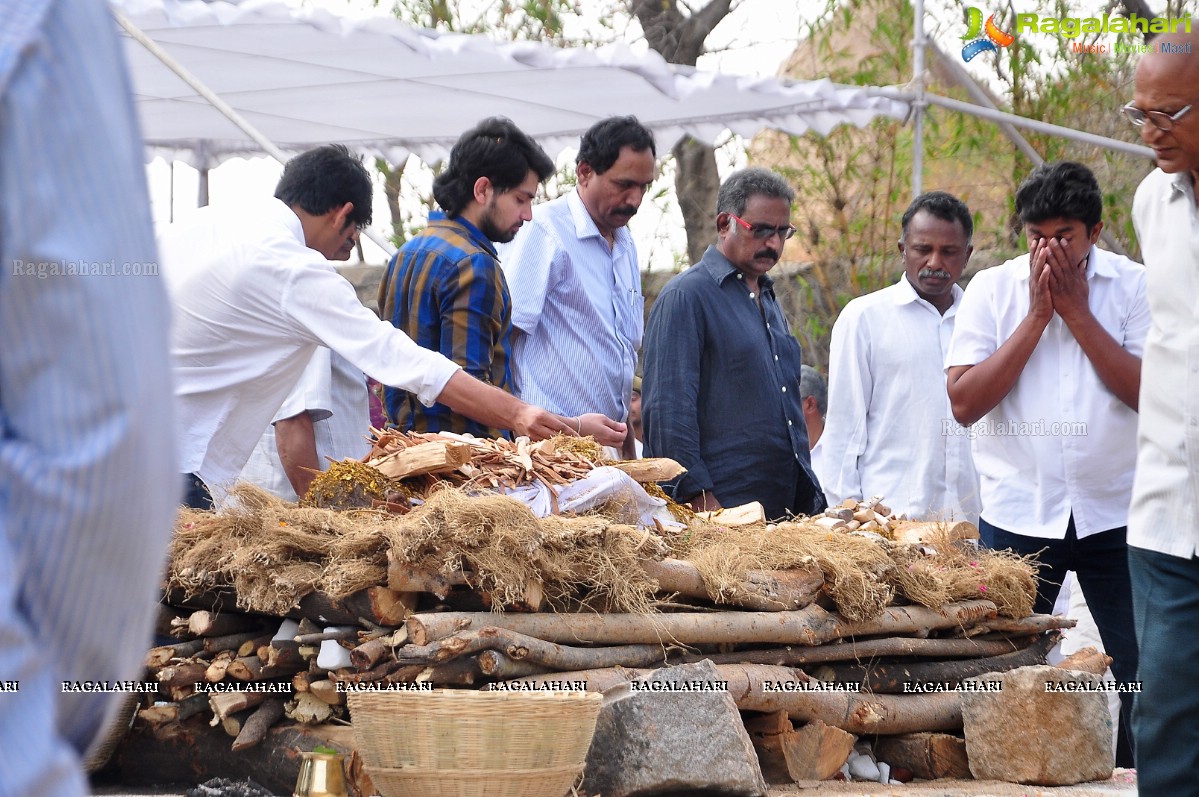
{"type": "Point", "coordinates": [287, 217]}
{"type": "Point", "coordinates": [474, 233]}
{"type": "Point", "coordinates": [718, 267]}
{"type": "Point", "coordinates": [1181, 185]}
{"type": "Point", "coordinates": [906, 294]}
{"type": "Point", "coordinates": [585, 226]}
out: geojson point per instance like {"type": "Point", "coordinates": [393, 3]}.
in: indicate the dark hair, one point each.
{"type": "Point", "coordinates": [496, 149]}
{"type": "Point", "coordinates": [735, 191]}
{"type": "Point", "coordinates": [324, 179]}
{"type": "Point", "coordinates": [603, 141]}
{"type": "Point", "coordinates": [1065, 190]}
{"type": "Point", "coordinates": [945, 207]}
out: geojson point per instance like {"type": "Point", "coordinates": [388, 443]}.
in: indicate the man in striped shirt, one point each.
{"type": "Point", "coordinates": [444, 288]}
{"type": "Point", "coordinates": [576, 282]}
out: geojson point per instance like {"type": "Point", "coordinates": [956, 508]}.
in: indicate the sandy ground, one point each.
{"type": "Point", "coordinates": [1122, 784]}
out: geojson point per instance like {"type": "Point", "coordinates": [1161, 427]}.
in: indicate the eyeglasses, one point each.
{"type": "Point", "coordinates": [1160, 119]}
{"type": "Point", "coordinates": [764, 232]}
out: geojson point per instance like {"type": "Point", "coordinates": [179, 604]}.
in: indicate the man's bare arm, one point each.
{"type": "Point", "coordinates": [296, 443]}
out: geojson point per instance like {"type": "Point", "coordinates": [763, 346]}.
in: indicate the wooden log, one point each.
{"type": "Point", "coordinates": [1033, 624]}
{"type": "Point", "coordinates": [417, 460]}
{"type": "Point", "coordinates": [250, 646]}
{"type": "Point", "coordinates": [525, 648]}
{"type": "Point", "coordinates": [812, 625]}
{"type": "Point", "coordinates": [246, 668]}
{"type": "Point", "coordinates": [216, 670]}
{"type": "Point", "coordinates": [232, 724]}
{"type": "Point", "coordinates": [916, 532]}
{"type": "Point", "coordinates": [161, 656]}
{"type": "Point", "coordinates": [376, 606]}
{"type": "Point", "coordinates": [224, 704]}
{"type": "Point", "coordinates": [815, 751]}
{"type": "Point", "coordinates": [254, 729]}
{"type": "Point", "coordinates": [283, 655]}
{"type": "Point", "coordinates": [161, 714]}
{"type": "Point", "coordinates": [762, 590]}
{"type": "Point", "coordinates": [327, 691]}
{"type": "Point", "coordinates": [210, 624]}
{"type": "Point", "coordinates": [464, 671]}
{"type": "Point", "coordinates": [744, 515]}
{"type": "Point", "coordinates": [908, 677]}
{"type": "Point", "coordinates": [182, 675]}
{"type": "Point", "coordinates": [651, 469]}
{"type": "Point", "coordinates": [336, 635]}
{"type": "Point", "coordinates": [301, 681]}
{"type": "Point", "coordinates": [502, 668]}
{"type": "Point", "coordinates": [1087, 659]}
{"type": "Point", "coordinates": [770, 757]}
{"type": "Point", "coordinates": [306, 708]}
{"type": "Point", "coordinates": [216, 644]}
{"type": "Point", "coordinates": [775, 722]}
{"type": "Point", "coordinates": [929, 756]}
{"type": "Point", "coordinates": [867, 649]}
{"type": "Point", "coordinates": [369, 654]}
{"type": "Point", "coordinates": [403, 577]}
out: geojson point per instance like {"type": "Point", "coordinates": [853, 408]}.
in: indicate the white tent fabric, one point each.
{"type": "Point", "coordinates": [305, 77]}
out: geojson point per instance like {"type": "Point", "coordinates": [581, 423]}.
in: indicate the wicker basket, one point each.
{"type": "Point", "coordinates": [463, 743]}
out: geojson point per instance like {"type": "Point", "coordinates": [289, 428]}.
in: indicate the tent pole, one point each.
{"type": "Point", "coordinates": [223, 107]}
{"type": "Point", "coordinates": [918, 104]}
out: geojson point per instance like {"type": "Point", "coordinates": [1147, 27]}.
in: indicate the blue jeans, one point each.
{"type": "Point", "coordinates": [195, 492]}
{"type": "Point", "coordinates": [1166, 719]}
{"type": "Point", "coordinates": [1101, 564]}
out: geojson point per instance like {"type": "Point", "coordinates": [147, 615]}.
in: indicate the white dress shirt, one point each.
{"type": "Point", "coordinates": [577, 309]}
{"type": "Point", "coordinates": [333, 393]}
{"type": "Point", "coordinates": [1060, 441]}
{"type": "Point", "coordinates": [252, 302]}
{"type": "Point", "coordinates": [1165, 496]}
{"type": "Point", "coordinates": [889, 429]}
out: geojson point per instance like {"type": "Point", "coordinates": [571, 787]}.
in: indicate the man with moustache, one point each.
{"type": "Point", "coordinates": [722, 369]}
{"type": "Point", "coordinates": [890, 430]}
{"type": "Point", "coordinates": [576, 282]}
{"type": "Point", "coordinates": [1163, 537]}
{"type": "Point", "coordinates": [444, 288]}
{"type": "Point", "coordinates": [1046, 353]}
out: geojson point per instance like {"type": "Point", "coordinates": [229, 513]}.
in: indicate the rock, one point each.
{"type": "Point", "coordinates": [862, 767]}
{"type": "Point", "coordinates": [659, 743]}
{"type": "Point", "coordinates": [1036, 730]}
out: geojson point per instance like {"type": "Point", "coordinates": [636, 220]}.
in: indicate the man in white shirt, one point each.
{"type": "Point", "coordinates": [890, 430]}
{"type": "Point", "coordinates": [1045, 363]}
{"type": "Point", "coordinates": [577, 308]}
{"type": "Point", "coordinates": [1163, 535]}
{"type": "Point", "coordinates": [253, 301]}
{"type": "Point", "coordinates": [325, 418]}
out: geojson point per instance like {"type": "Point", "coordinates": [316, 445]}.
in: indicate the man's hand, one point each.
{"type": "Point", "coordinates": [538, 424]}
{"type": "Point", "coordinates": [1067, 284]}
{"type": "Point", "coordinates": [296, 443]}
{"type": "Point", "coordinates": [606, 431]}
{"type": "Point", "coordinates": [704, 502]}
{"type": "Point", "coordinates": [1040, 299]}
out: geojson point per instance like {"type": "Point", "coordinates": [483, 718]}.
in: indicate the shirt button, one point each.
{"type": "Point", "coordinates": [784, 388]}
{"type": "Point", "coordinates": [751, 295]}
{"type": "Point", "coordinates": [776, 358]}
{"type": "Point", "coordinates": [788, 422]}
{"type": "Point", "coordinates": [768, 325]}
{"type": "Point", "coordinates": [740, 276]}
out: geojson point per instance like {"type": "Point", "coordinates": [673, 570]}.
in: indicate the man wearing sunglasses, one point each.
{"type": "Point", "coordinates": [722, 369]}
{"type": "Point", "coordinates": [1163, 531]}
{"type": "Point", "coordinates": [890, 431]}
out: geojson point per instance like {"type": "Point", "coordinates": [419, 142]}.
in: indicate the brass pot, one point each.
{"type": "Point", "coordinates": [321, 775]}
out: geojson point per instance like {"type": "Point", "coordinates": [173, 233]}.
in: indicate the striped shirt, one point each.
{"type": "Point", "coordinates": [445, 289]}
{"type": "Point", "coordinates": [88, 475]}
{"type": "Point", "coordinates": [577, 309]}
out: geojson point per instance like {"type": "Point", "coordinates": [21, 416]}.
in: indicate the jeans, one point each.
{"type": "Point", "coordinates": [1101, 564]}
{"type": "Point", "coordinates": [196, 493]}
{"type": "Point", "coordinates": [1166, 717]}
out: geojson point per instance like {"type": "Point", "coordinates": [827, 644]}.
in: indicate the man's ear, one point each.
{"type": "Point", "coordinates": [584, 172]}
{"type": "Point", "coordinates": [722, 222]}
{"type": "Point", "coordinates": [483, 190]}
{"type": "Point", "coordinates": [1094, 234]}
{"type": "Point", "coordinates": [341, 215]}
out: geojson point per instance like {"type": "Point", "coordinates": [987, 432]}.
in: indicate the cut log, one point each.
{"type": "Point", "coordinates": [371, 653]}
{"type": "Point", "coordinates": [225, 704]}
{"type": "Point", "coordinates": [254, 729]}
{"type": "Point", "coordinates": [337, 635]}
{"type": "Point", "coordinates": [207, 623]}
{"type": "Point", "coordinates": [301, 681]}
{"type": "Point", "coordinates": [812, 625]}
{"type": "Point", "coordinates": [1033, 624]}
{"type": "Point", "coordinates": [771, 724]}
{"type": "Point", "coordinates": [327, 692]}
{"type": "Point", "coordinates": [525, 648]}
{"type": "Point", "coordinates": [918, 677]}
{"type": "Point", "coordinates": [816, 751]}
{"type": "Point", "coordinates": [216, 644]}
{"type": "Point", "coordinates": [770, 757]}
{"type": "Point", "coordinates": [305, 708]}
{"type": "Point", "coordinates": [916, 532]}
{"type": "Point", "coordinates": [502, 668]}
{"type": "Point", "coordinates": [744, 515]}
{"type": "Point", "coordinates": [162, 656]}
{"type": "Point", "coordinates": [433, 457]}
{"type": "Point", "coordinates": [250, 646]}
{"type": "Point", "coordinates": [164, 713]}
{"type": "Point", "coordinates": [376, 606]}
{"type": "Point", "coordinates": [232, 724]}
{"type": "Point", "coordinates": [464, 671]}
{"type": "Point", "coordinates": [182, 675]}
{"type": "Point", "coordinates": [929, 756]}
{"type": "Point", "coordinates": [762, 590]}
{"type": "Point", "coordinates": [246, 668]}
{"type": "Point", "coordinates": [867, 649]}
{"type": "Point", "coordinates": [216, 670]}
{"type": "Point", "coordinates": [1088, 660]}
{"type": "Point", "coordinates": [403, 577]}
{"type": "Point", "coordinates": [651, 469]}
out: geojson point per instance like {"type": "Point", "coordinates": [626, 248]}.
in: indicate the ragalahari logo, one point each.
{"type": "Point", "coordinates": [982, 38]}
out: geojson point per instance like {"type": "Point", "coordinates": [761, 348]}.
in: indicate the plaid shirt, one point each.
{"type": "Point", "coordinates": [445, 289]}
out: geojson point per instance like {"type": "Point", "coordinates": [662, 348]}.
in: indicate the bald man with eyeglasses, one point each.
{"type": "Point", "coordinates": [1163, 532]}
{"type": "Point", "coordinates": [722, 369]}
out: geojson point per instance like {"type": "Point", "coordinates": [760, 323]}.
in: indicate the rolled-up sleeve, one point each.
{"type": "Point", "coordinates": [975, 336]}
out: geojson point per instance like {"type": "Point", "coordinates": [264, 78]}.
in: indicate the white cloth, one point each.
{"type": "Point", "coordinates": [89, 483]}
{"type": "Point", "coordinates": [889, 429]}
{"type": "Point", "coordinates": [333, 393]}
{"type": "Point", "coordinates": [1060, 441]}
{"type": "Point", "coordinates": [577, 311]}
{"type": "Point", "coordinates": [252, 303]}
{"type": "Point", "coordinates": [600, 486]}
{"type": "Point", "coordinates": [1165, 497]}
